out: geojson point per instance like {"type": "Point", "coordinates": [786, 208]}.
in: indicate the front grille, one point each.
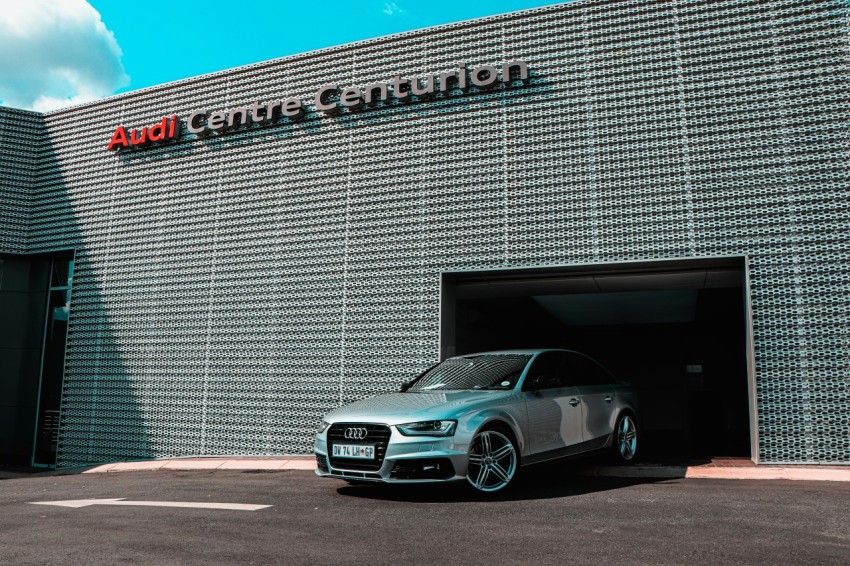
{"type": "Point", "coordinates": [322, 463]}
{"type": "Point", "coordinates": [377, 435]}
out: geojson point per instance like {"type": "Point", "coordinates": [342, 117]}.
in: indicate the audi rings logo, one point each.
{"type": "Point", "coordinates": [355, 433]}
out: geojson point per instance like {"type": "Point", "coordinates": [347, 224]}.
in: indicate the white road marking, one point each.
{"type": "Point", "coordinates": [77, 503]}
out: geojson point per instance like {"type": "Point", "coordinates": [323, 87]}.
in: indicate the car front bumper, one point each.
{"type": "Point", "coordinates": [408, 459]}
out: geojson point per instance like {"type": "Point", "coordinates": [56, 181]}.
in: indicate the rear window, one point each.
{"type": "Point", "coordinates": [487, 371]}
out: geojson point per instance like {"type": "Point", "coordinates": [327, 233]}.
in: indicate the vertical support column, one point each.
{"type": "Point", "coordinates": [751, 366]}
{"type": "Point", "coordinates": [448, 307]}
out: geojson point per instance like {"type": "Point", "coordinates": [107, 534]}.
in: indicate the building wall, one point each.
{"type": "Point", "coordinates": [21, 135]}
{"type": "Point", "coordinates": [229, 291]}
{"type": "Point", "coordinates": [23, 284]}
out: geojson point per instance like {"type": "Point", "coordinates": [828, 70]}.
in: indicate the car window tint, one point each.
{"type": "Point", "coordinates": [548, 371]}
{"type": "Point", "coordinates": [605, 376]}
{"type": "Point", "coordinates": [585, 371]}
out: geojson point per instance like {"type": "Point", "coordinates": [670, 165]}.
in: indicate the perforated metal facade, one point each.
{"type": "Point", "coordinates": [21, 133]}
{"type": "Point", "coordinates": [228, 292]}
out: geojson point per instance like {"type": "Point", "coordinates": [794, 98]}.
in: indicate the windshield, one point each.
{"type": "Point", "coordinates": [487, 371]}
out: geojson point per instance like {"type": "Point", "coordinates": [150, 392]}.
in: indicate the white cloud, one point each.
{"type": "Point", "coordinates": [56, 53]}
{"type": "Point", "coordinates": [391, 8]}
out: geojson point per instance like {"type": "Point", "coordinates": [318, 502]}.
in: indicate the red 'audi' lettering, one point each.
{"type": "Point", "coordinates": [168, 129]}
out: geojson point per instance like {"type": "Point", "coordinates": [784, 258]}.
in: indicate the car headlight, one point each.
{"type": "Point", "coordinates": [428, 428]}
{"type": "Point", "coordinates": [323, 426]}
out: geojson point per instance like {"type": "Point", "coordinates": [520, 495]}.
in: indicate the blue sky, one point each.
{"type": "Point", "coordinates": [166, 40]}
{"type": "Point", "coordinates": [55, 53]}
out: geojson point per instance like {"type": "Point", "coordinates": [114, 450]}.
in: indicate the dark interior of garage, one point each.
{"type": "Point", "coordinates": [677, 333]}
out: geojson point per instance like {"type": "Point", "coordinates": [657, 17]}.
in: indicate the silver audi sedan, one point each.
{"type": "Point", "coordinates": [480, 417]}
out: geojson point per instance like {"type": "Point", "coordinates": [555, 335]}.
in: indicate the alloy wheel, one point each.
{"type": "Point", "coordinates": [627, 438]}
{"type": "Point", "coordinates": [492, 461]}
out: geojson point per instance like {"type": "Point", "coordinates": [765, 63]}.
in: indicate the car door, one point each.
{"type": "Point", "coordinates": [597, 395]}
{"type": "Point", "coordinates": [554, 410]}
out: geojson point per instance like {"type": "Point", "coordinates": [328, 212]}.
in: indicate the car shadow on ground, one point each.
{"type": "Point", "coordinates": [539, 482]}
{"type": "Point", "coordinates": [19, 472]}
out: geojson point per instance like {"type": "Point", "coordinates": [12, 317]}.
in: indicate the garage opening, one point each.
{"type": "Point", "coordinates": [678, 331]}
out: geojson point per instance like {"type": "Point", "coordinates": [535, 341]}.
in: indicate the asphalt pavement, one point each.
{"type": "Point", "coordinates": [548, 518]}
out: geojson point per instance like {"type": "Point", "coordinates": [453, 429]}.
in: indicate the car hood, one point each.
{"type": "Point", "coordinates": [397, 408]}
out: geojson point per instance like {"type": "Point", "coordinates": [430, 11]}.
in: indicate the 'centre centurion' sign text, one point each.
{"type": "Point", "coordinates": [329, 99]}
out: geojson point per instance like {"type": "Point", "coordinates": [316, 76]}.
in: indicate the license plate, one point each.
{"type": "Point", "coordinates": [354, 451]}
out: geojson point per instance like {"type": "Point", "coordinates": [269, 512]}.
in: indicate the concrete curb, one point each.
{"type": "Point", "coordinates": [750, 472]}
{"type": "Point", "coordinates": [769, 473]}
{"type": "Point", "coordinates": [802, 473]}
{"type": "Point", "coordinates": [189, 464]}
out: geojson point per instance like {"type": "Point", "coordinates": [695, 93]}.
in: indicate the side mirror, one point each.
{"type": "Point", "coordinates": [542, 381]}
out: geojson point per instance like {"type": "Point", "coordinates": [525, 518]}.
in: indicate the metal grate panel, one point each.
{"type": "Point", "coordinates": [21, 136]}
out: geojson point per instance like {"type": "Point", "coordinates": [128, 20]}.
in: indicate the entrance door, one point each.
{"type": "Point", "coordinates": [677, 330]}
{"type": "Point", "coordinates": [53, 361]}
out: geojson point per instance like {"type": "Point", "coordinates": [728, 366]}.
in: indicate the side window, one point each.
{"type": "Point", "coordinates": [549, 371]}
{"type": "Point", "coordinates": [605, 377]}
{"type": "Point", "coordinates": [584, 371]}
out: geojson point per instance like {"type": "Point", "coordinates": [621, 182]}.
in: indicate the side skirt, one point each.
{"type": "Point", "coordinates": [575, 451]}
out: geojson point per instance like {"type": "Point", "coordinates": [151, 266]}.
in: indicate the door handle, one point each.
{"type": "Point", "coordinates": [608, 398]}
{"type": "Point", "coordinates": [573, 401]}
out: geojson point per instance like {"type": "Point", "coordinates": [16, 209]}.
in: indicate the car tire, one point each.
{"type": "Point", "coordinates": [493, 460]}
{"type": "Point", "coordinates": [624, 441]}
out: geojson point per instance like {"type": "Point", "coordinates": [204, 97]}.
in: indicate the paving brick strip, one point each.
{"type": "Point", "coordinates": [733, 470]}
{"type": "Point", "coordinates": [285, 463]}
